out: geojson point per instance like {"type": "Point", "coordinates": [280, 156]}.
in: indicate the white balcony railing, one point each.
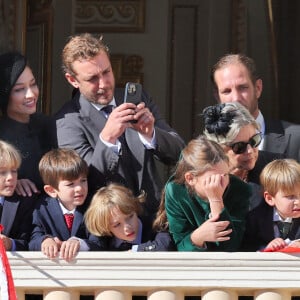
{"type": "Point", "coordinates": [159, 276]}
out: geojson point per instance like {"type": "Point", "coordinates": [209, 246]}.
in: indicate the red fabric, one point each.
{"type": "Point", "coordinates": [10, 282]}
{"type": "Point", "coordinates": [69, 220]}
{"type": "Point", "coordinates": [285, 250]}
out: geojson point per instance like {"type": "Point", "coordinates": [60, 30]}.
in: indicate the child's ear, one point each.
{"type": "Point", "coordinates": [50, 190]}
{"type": "Point", "coordinates": [189, 178]}
{"type": "Point", "coordinates": [269, 198]}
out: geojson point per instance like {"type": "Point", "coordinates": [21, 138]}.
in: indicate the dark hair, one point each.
{"type": "Point", "coordinates": [12, 64]}
{"type": "Point", "coordinates": [61, 164]}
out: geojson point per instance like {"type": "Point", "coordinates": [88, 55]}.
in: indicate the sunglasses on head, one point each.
{"type": "Point", "coordinates": [241, 147]}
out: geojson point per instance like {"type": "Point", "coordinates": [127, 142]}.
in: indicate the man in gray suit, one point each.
{"type": "Point", "coordinates": [235, 79]}
{"type": "Point", "coordinates": [120, 141]}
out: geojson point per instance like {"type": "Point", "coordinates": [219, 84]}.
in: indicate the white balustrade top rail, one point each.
{"type": "Point", "coordinates": [135, 271]}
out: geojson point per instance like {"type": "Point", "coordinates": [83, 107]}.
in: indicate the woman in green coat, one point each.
{"type": "Point", "coordinates": [205, 206]}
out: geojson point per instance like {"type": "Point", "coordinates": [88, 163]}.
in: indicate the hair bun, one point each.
{"type": "Point", "coordinates": [216, 121]}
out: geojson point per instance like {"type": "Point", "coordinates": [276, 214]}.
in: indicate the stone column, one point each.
{"type": "Point", "coordinates": [166, 295]}
{"type": "Point", "coordinates": [61, 295]}
{"type": "Point", "coordinates": [272, 295]}
{"type": "Point", "coordinates": [113, 295]}
{"type": "Point", "coordinates": [219, 295]}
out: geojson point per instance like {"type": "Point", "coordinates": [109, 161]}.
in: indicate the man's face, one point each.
{"type": "Point", "coordinates": [94, 78]}
{"type": "Point", "coordinates": [234, 85]}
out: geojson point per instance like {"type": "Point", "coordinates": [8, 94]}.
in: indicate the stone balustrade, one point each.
{"type": "Point", "coordinates": [158, 276]}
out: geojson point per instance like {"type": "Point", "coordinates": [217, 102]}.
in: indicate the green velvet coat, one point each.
{"type": "Point", "coordinates": [186, 212]}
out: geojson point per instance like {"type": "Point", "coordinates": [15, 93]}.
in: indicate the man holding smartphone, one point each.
{"type": "Point", "coordinates": [97, 123]}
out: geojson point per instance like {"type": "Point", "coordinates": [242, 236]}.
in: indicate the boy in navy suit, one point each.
{"type": "Point", "coordinates": [58, 218]}
{"type": "Point", "coordinates": [275, 223]}
{"type": "Point", "coordinates": [15, 211]}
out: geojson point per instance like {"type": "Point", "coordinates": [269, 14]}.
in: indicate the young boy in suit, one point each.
{"type": "Point", "coordinates": [58, 218]}
{"type": "Point", "coordinates": [15, 211]}
{"type": "Point", "coordinates": [275, 223]}
{"type": "Point", "coordinates": [113, 215]}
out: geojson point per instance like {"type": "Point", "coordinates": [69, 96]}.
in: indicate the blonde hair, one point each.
{"type": "Point", "coordinates": [81, 46]}
{"type": "Point", "coordinates": [9, 156]}
{"type": "Point", "coordinates": [281, 174]}
{"type": "Point", "coordinates": [97, 216]}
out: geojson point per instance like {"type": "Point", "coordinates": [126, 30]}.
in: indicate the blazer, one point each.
{"type": "Point", "coordinates": [260, 228]}
{"type": "Point", "coordinates": [48, 220]}
{"type": "Point", "coordinates": [186, 212]}
{"type": "Point", "coordinates": [17, 219]}
{"type": "Point", "coordinates": [282, 137]}
{"type": "Point", "coordinates": [78, 127]}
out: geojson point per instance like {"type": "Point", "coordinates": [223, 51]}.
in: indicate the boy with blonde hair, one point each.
{"type": "Point", "coordinates": [275, 223]}
{"type": "Point", "coordinates": [15, 210]}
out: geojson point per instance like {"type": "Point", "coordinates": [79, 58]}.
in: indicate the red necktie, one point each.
{"type": "Point", "coordinates": [69, 220]}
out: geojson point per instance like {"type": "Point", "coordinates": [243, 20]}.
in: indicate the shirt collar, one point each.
{"type": "Point", "coordinates": [276, 217]}
{"type": "Point", "coordinates": [1, 200]}
{"type": "Point", "coordinates": [100, 106]}
{"type": "Point", "coordinates": [64, 210]}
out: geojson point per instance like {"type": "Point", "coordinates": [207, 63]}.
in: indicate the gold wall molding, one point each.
{"type": "Point", "coordinates": [109, 16]}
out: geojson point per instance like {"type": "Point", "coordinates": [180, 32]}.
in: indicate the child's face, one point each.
{"type": "Point", "coordinates": [72, 193]}
{"type": "Point", "coordinates": [287, 204]}
{"type": "Point", "coordinates": [8, 181]}
{"type": "Point", "coordinates": [124, 227]}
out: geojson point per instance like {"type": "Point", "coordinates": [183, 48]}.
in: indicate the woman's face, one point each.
{"type": "Point", "coordinates": [23, 97]}
{"type": "Point", "coordinates": [244, 161]}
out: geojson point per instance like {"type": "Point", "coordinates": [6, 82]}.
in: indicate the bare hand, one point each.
{"type": "Point", "coordinates": [117, 122]}
{"type": "Point", "coordinates": [6, 242]}
{"type": "Point", "coordinates": [211, 231]}
{"type": "Point", "coordinates": [215, 185]}
{"type": "Point", "coordinates": [50, 248]}
{"type": "Point", "coordinates": [276, 244]}
{"type": "Point", "coordinates": [145, 121]}
{"type": "Point", "coordinates": [26, 187]}
{"type": "Point", "coordinates": [69, 249]}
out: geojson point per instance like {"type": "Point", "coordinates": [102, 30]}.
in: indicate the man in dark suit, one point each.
{"type": "Point", "coordinates": [235, 79]}
{"type": "Point", "coordinates": [119, 144]}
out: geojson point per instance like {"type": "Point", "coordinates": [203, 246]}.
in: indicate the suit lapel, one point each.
{"type": "Point", "coordinates": [78, 216]}
{"type": "Point", "coordinates": [58, 219]}
{"type": "Point", "coordinates": [10, 207]}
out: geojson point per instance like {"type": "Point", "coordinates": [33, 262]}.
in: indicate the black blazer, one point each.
{"type": "Point", "coordinates": [282, 137]}
{"type": "Point", "coordinates": [48, 219]}
{"type": "Point", "coordinates": [260, 228]}
{"type": "Point", "coordinates": [17, 219]}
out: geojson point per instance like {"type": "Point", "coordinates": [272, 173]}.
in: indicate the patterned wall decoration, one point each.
{"type": "Point", "coordinates": [12, 25]}
{"type": "Point", "coordinates": [109, 16]}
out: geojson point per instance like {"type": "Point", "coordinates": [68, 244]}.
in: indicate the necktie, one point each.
{"type": "Point", "coordinates": [284, 228]}
{"type": "Point", "coordinates": [107, 110]}
{"type": "Point", "coordinates": [69, 220]}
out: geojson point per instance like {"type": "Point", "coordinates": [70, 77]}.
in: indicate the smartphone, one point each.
{"type": "Point", "coordinates": [133, 93]}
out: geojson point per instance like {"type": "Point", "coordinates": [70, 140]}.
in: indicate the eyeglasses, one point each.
{"type": "Point", "coordinates": [241, 147]}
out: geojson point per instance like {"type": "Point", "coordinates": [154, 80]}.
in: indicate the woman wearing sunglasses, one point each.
{"type": "Point", "coordinates": [234, 128]}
